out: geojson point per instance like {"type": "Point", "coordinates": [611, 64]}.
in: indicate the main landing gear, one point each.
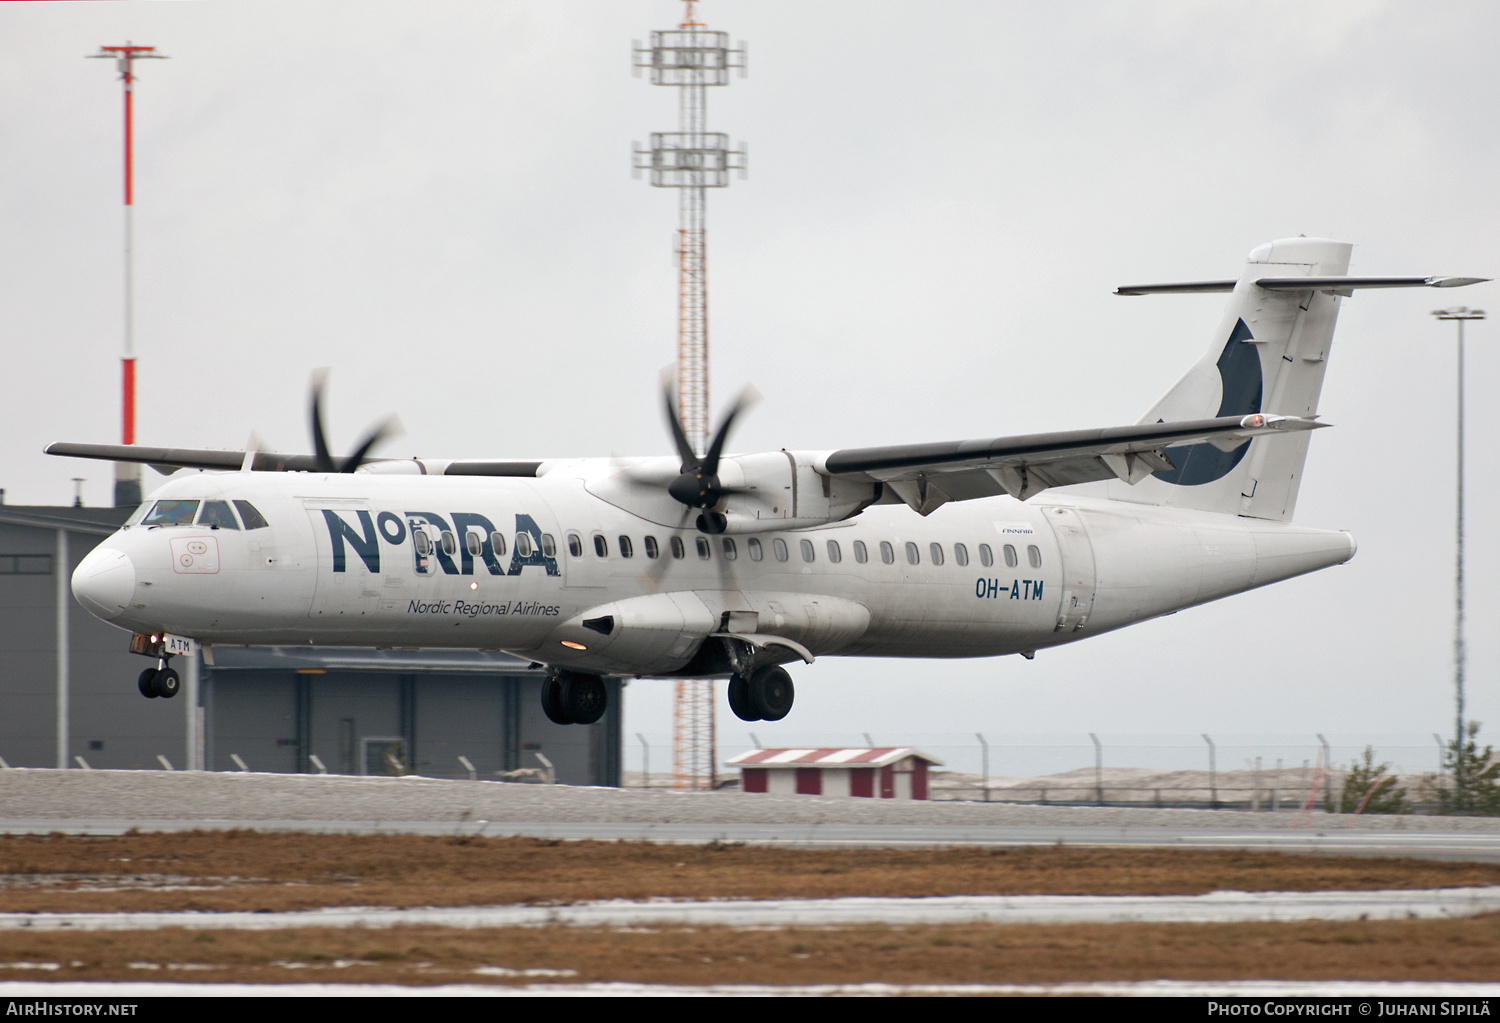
{"type": "Point", "coordinates": [160, 681]}
{"type": "Point", "coordinates": [766, 694]}
{"type": "Point", "coordinates": [569, 698]}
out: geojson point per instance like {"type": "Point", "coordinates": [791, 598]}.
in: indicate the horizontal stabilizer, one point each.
{"type": "Point", "coordinates": [1338, 285]}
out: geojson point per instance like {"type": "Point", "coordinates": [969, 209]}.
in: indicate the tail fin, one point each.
{"type": "Point", "coordinates": [1268, 355]}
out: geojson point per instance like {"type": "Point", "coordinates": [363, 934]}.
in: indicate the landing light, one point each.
{"type": "Point", "coordinates": [572, 645]}
{"type": "Point", "coordinates": [473, 586]}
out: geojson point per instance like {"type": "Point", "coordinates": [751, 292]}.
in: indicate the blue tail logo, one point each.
{"type": "Point", "coordinates": [1239, 372]}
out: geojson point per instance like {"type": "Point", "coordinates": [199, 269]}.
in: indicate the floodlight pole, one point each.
{"type": "Point", "coordinates": [1460, 655]}
{"type": "Point", "coordinates": [128, 474]}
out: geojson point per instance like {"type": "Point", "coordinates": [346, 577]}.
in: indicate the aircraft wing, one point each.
{"type": "Point", "coordinates": [928, 475]}
{"type": "Point", "coordinates": [168, 460]}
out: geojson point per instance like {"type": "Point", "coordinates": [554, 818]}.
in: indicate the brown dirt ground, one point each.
{"type": "Point", "coordinates": [1454, 950]}
{"type": "Point", "coordinates": [250, 871]}
{"type": "Point", "coordinates": [244, 870]}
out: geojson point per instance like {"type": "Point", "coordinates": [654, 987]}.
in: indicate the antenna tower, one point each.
{"type": "Point", "coordinates": [691, 160]}
{"type": "Point", "coordinates": [128, 474]}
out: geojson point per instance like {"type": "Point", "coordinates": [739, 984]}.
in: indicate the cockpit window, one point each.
{"type": "Point", "coordinates": [253, 519]}
{"type": "Point", "coordinates": [171, 513]}
{"type": "Point", "coordinates": [138, 514]}
{"type": "Point", "coordinates": [217, 515]}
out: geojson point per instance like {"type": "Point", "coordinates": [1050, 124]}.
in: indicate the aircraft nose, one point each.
{"type": "Point", "coordinates": [104, 582]}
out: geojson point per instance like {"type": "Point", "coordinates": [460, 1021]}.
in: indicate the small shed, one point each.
{"type": "Point", "coordinates": [885, 772]}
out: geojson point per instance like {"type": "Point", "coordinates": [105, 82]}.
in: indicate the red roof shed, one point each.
{"type": "Point", "coordinates": [885, 772]}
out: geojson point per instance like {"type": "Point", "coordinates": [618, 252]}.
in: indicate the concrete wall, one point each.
{"type": "Point", "coordinates": [496, 721]}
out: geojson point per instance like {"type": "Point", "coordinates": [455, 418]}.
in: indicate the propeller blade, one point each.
{"type": "Point", "coordinates": [674, 420]}
{"type": "Point", "coordinates": [320, 441]}
{"type": "Point", "coordinates": [322, 455]}
{"type": "Point", "coordinates": [746, 398]}
{"type": "Point", "coordinates": [388, 427]}
{"type": "Point", "coordinates": [655, 571]}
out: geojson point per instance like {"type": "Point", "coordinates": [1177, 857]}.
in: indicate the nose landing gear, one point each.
{"type": "Point", "coordinates": [766, 694]}
{"type": "Point", "coordinates": [162, 681]}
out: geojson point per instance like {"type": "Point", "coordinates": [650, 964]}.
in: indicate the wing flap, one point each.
{"type": "Point", "coordinates": [1024, 466]}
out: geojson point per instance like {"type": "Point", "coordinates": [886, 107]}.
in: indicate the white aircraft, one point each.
{"type": "Point", "coordinates": [720, 565]}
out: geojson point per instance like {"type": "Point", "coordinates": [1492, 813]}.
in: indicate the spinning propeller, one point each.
{"type": "Point", "coordinates": [321, 455]}
{"type": "Point", "coordinates": [697, 484]}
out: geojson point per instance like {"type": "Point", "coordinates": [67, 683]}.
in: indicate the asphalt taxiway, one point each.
{"type": "Point", "coordinates": [112, 802]}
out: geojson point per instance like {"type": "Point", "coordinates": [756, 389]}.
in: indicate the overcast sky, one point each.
{"type": "Point", "coordinates": [435, 200]}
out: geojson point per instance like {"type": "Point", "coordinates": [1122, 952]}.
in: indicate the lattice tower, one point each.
{"type": "Point", "coordinates": [691, 160]}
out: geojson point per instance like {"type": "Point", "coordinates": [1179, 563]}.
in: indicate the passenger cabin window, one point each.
{"type": "Point", "coordinates": [549, 545]}
{"type": "Point", "coordinates": [986, 556]}
{"type": "Point", "coordinates": [253, 519]}
{"type": "Point", "coordinates": [704, 550]}
{"type": "Point", "coordinates": [756, 550]}
{"type": "Point", "coordinates": [171, 513]}
{"type": "Point", "coordinates": [936, 550]}
{"type": "Point", "coordinates": [627, 549]}
{"type": "Point", "coordinates": [575, 545]}
{"type": "Point", "coordinates": [523, 545]}
{"type": "Point", "coordinates": [678, 550]}
{"type": "Point", "coordinates": [1034, 556]}
{"type": "Point", "coordinates": [497, 544]}
{"type": "Point", "coordinates": [472, 543]}
{"type": "Point", "coordinates": [217, 515]}
{"type": "Point", "coordinates": [834, 554]}
{"type": "Point", "coordinates": [861, 555]}
{"type": "Point", "coordinates": [653, 550]}
{"type": "Point", "coordinates": [913, 554]}
{"type": "Point", "coordinates": [887, 552]}
{"type": "Point", "coordinates": [1010, 557]}
{"type": "Point", "coordinates": [960, 554]}
{"type": "Point", "coordinates": [422, 542]}
{"type": "Point", "coordinates": [450, 543]}
{"type": "Point", "coordinates": [730, 551]}
{"type": "Point", "coordinates": [601, 546]}
{"type": "Point", "coordinates": [808, 553]}
{"type": "Point", "coordinates": [778, 547]}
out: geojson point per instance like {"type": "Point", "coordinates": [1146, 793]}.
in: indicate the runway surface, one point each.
{"type": "Point", "coordinates": [111, 802]}
{"type": "Point", "coordinates": [1215, 907]}
{"type": "Point", "coordinates": [1354, 990]}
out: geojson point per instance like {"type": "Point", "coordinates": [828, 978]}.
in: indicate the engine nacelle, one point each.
{"type": "Point", "coordinates": [786, 492]}
{"type": "Point", "coordinates": [637, 636]}
{"type": "Point", "coordinates": [660, 633]}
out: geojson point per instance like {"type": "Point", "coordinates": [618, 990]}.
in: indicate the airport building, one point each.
{"type": "Point", "coordinates": [883, 772]}
{"type": "Point", "coordinates": [68, 683]}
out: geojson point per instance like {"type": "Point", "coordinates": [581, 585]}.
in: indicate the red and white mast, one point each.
{"type": "Point", "coordinates": [128, 474]}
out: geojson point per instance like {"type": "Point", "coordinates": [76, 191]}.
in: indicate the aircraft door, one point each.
{"type": "Point", "coordinates": [1077, 570]}
{"type": "Point", "coordinates": [349, 560]}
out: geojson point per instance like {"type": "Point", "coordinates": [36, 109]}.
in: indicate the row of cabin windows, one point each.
{"type": "Point", "coordinates": [756, 549]}
{"type": "Point", "coordinates": [703, 547]}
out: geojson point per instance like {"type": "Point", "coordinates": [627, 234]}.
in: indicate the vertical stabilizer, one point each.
{"type": "Point", "coordinates": [1268, 355]}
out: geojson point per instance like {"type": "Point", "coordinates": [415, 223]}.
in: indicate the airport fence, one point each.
{"type": "Point", "coordinates": [1256, 772]}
